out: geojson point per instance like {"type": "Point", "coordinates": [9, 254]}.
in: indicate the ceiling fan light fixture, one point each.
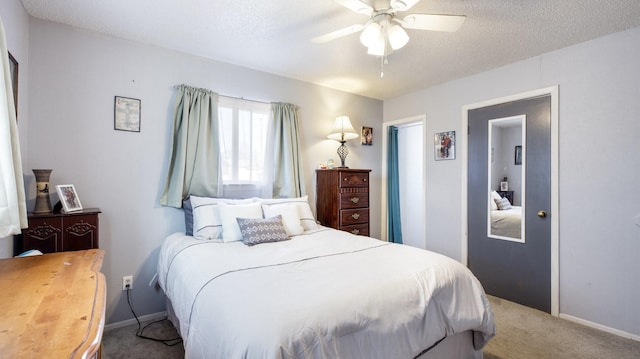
{"type": "Point", "coordinates": [371, 34]}
{"type": "Point", "coordinates": [397, 36]}
{"type": "Point", "coordinates": [378, 47]}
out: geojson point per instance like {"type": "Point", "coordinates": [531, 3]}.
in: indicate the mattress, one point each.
{"type": "Point", "coordinates": [322, 294]}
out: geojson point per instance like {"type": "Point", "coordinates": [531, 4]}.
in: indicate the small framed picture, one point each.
{"type": "Point", "coordinates": [126, 114]}
{"type": "Point", "coordinates": [13, 72]}
{"type": "Point", "coordinates": [69, 197]}
{"type": "Point", "coordinates": [444, 144]}
{"type": "Point", "coordinates": [367, 136]}
{"type": "Point", "coordinates": [504, 186]}
{"type": "Point", "coordinates": [518, 155]}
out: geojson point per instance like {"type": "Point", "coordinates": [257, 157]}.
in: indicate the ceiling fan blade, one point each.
{"type": "Point", "coordinates": [337, 34]}
{"type": "Point", "coordinates": [357, 6]}
{"type": "Point", "coordinates": [448, 23]}
{"type": "Point", "coordinates": [402, 5]}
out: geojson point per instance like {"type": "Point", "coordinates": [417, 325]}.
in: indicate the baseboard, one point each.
{"type": "Point", "coordinates": [144, 318]}
{"type": "Point", "coordinates": [600, 327]}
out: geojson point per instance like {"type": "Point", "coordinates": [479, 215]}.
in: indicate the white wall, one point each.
{"type": "Point", "coordinates": [75, 75]}
{"type": "Point", "coordinates": [599, 196]}
{"type": "Point", "coordinates": [16, 27]}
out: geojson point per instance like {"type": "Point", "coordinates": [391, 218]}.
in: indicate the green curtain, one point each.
{"type": "Point", "coordinates": [194, 165]}
{"type": "Point", "coordinates": [393, 189]}
{"type": "Point", "coordinates": [13, 209]}
{"type": "Point", "coordinates": [288, 174]}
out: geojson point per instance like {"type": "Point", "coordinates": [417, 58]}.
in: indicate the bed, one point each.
{"type": "Point", "coordinates": [321, 293]}
{"type": "Point", "coordinates": [507, 222]}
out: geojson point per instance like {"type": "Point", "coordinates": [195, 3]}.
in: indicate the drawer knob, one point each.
{"type": "Point", "coordinates": [355, 216]}
{"type": "Point", "coordinates": [355, 199]}
{"type": "Point", "coordinates": [364, 179]}
{"type": "Point", "coordinates": [355, 231]}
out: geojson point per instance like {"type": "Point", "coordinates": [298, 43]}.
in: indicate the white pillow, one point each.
{"type": "Point", "coordinates": [206, 217]}
{"type": "Point", "coordinates": [494, 196]}
{"type": "Point", "coordinates": [307, 220]}
{"type": "Point", "coordinates": [228, 215]}
{"type": "Point", "coordinates": [290, 216]}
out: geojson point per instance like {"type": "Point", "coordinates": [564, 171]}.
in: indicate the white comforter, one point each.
{"type": "Point", "coordinates": [324, 294]}
{"type": "Point", "coordinates": [507, 223]}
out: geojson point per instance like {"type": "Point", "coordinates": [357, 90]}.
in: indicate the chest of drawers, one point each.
{"type": "Point", "coordinates": [60, 232]}
{"type": "Point", "coordinates": [342, 199]}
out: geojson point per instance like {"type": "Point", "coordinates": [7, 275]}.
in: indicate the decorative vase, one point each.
{"type": "Point", "coordinates": [43, 202]}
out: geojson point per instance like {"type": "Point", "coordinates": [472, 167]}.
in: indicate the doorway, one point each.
{"type": "Point", "coordinates": [411, 176]}
{"type": "Point", "coordinates": [518, 264]}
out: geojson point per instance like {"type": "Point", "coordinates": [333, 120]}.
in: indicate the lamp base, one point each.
{"type": "Point", "coordinates": [343, 151]}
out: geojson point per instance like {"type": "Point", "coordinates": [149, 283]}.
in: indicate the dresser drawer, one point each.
{"type": "Point", "coordinates": [354, 216]}
{"type": "Point", "coordinates": [357, 229]}
{"type": "Point", "coordinates": [354, 200]}
{"type": "Point", "coordinates": [357, 179]}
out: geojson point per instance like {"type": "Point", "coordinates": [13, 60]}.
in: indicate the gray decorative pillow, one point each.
{"type": "Point", "coordinates": [503, 203]}
{"type": "Point", "coordinates": [262, 230]}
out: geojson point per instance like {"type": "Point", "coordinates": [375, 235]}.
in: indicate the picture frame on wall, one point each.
{"type": "Point", "coordinates": [69, 197]}
{"type": "Point", "coordinates": [366, 134]}
{"type": "Point", "coordinates": [13, 72]}
{"type": "Point", "coordinates": [518, 155]}
{"type": "Point", "coordinates": [126, 114]}
{"type": "Point", "coordinates": [444, 145]}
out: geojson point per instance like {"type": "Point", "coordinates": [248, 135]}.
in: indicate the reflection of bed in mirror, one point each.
{"type": "Point", "coordinates": [507, 222]}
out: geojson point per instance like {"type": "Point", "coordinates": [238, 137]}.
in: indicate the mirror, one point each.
{"type": "Point", "coordinates": [506, 178]}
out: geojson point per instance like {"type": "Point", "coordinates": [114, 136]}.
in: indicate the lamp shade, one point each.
{"type": "Point", "coordinates": [371, 34]}
{"type": "Point", "coordinates": [342, 130]}
{"type": "Point", "coordinates": [397, 36]}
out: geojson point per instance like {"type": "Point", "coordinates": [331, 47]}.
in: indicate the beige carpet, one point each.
{"type": "Point", "coordinates": [523, 333]}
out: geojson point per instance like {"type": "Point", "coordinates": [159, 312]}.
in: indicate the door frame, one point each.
{"type": "Point", "coordinates": [384, 200]}
{"type": "Point", "coordinates": [555, 233]}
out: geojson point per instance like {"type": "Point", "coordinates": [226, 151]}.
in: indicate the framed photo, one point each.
{"type": "Point", "coordinates": [13, 72]}
{"type": "Point", "coordinates": [367, 136]}
{"type": "Point", "coordinates": [444, 145]}
{"type": "Point", "coordinates": [69, 197]}
{"type": "Point", "coordinates": [504, 186]}
{"type": "Point", "coordinates": [127, 114]}
{"type": "Point", "coordinates": [518, 155]}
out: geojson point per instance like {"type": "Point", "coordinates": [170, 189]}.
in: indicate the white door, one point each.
{"type": "Point", "coordinates": [411, 177]}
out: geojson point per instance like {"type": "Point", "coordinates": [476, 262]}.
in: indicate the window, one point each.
{"type": "Point", "coordinates": [244, 130]}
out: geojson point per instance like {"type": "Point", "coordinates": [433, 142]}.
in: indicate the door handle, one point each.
{"type": "Point", "coordinates": [542, 214]}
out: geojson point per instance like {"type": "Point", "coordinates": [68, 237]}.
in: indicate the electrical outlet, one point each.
{"type": "Point", "coordinates": [127, 282]}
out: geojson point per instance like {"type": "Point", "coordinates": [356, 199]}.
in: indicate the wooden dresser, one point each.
{"type": "Point", "coordinates": [53, 305]}
{"type": "Point", "coordinates": [342, 199]}
{"type": "Point", "coordinates": [58, 232]}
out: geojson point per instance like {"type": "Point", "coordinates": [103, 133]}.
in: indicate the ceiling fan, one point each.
{"type": "Point", "coordinates": [385, 32]}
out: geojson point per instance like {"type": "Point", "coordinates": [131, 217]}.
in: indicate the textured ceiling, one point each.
{"type": "Point", "coordinates": [274, 36]}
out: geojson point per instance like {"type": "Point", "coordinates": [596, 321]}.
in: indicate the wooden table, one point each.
{"type": "Point", "coordinates": [52, 306]}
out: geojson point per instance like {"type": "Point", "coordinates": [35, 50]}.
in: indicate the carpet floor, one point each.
{"type": "Point", "coordinates": [522, 333]}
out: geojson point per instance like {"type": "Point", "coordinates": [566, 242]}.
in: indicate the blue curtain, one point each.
{"type": "Point", "coordinates": [394, 234]}
{"type": "Point", "coordinates": [288, 174]}
{"type": "Point", "coordinates": [194, 165]}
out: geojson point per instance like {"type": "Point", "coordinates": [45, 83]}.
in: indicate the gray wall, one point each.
{"type": "Point", "coordinates": [599, 196]}
{"type": "Point", "coordinates": [75, 75]}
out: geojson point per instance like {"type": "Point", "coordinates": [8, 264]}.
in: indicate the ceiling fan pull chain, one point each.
{"type": "Point", "coordinates": [382, 61]}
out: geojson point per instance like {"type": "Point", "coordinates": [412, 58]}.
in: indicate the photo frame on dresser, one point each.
{"type": "Point", "coordinates": [69, 197]}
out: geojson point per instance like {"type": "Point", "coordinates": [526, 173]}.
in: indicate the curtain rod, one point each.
{"type": "Point", "coordinates": [244, 99]}
{"type": "Point", "coordinates": [233, 97]}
